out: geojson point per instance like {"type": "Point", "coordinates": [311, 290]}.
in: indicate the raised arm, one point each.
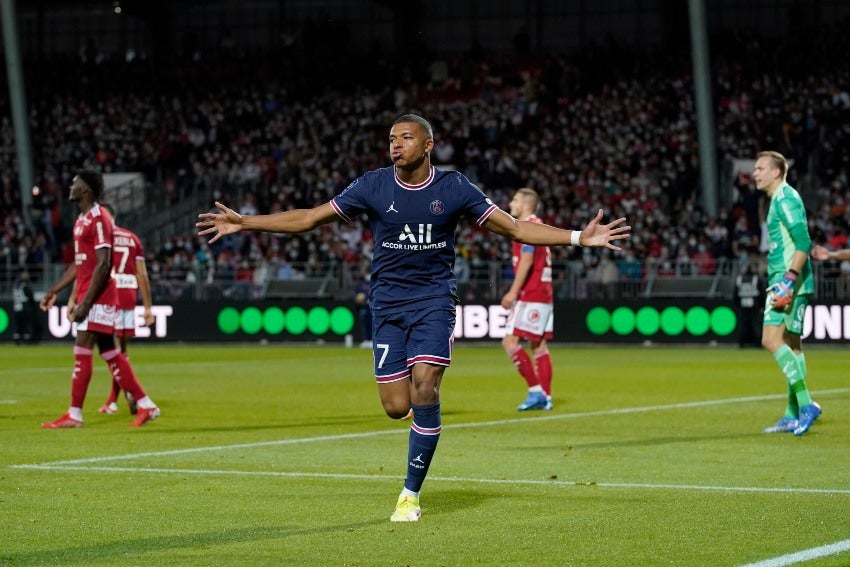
{"type": "Point", "coordinates": [594, 235]}
{"type": "Point", "coordinates": [288, 222]}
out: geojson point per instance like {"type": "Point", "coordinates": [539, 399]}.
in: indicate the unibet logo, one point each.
{"type": "Point", "coordinates": [295, 321]}
{"type": "Point", "coordinates": [671, 321]}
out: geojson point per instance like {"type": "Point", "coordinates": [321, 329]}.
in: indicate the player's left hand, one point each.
{"type": "Point", "coordinates": [598, 235]}
{"type": "Point", "coordinates": [229, 222]}
{"type": "Point", "coordinates": [783, 292]}
{"type": "Point", "coordinates": [148, 316]}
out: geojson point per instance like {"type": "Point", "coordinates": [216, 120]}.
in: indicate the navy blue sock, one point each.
{"type": "Point", "coordinates": [424, 434]}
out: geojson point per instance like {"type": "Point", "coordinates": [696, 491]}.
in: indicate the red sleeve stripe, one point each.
{"type": "Point", "coordinates": [483, 218]}
{"type": "Point", "coordinates": [339, 211]}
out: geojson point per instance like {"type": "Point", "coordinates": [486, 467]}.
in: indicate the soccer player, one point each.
{"type": "Point", "coordinates": [130, 274]}
{"type": "Point", "coordinates": [413, 209]}
{"type": "Point", "coordinates": [530, 301]}
{"type": "Point", "coordinates": [789, 277]}
{"type": "Point", "coordinates": [95, 309]}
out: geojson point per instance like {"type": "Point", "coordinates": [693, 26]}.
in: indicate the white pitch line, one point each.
{"type": "Point", "coordinates": [525, 419]}
{"type": "Point", "coordinates": [805, 555]}
{"type": "Point", "coordinates": [550, 482]}
{"type": "Point", "coordinates": [8, 402]}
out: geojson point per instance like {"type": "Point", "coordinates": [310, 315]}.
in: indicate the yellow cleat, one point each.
{"type": "Point", "coordinates": [406, 510]}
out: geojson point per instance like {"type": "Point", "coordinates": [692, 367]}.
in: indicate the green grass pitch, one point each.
{"type": "Point", "coordinates": [281, 455]}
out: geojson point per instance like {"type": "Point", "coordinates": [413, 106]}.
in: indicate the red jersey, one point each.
{"type": "Point", "coordinates": [126, 249]}
{"type": "Point", "coordinates": [538, 286]}
{"type": "Point", "coordinates": [92, 231]}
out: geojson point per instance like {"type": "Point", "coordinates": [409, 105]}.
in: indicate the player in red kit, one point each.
{"type": "Point", "coordinates": [530, 301]}
{"type": "Point", "coordinates": [130, 274]}
{"type": "Point", "coordinates": [95, 310]}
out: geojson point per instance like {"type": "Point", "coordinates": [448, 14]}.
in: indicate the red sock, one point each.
{"type": "Point", "coordinates": [524, 366]}
{"type": "Point", "coordinates": [122, 373]}
{"type": "Point", "coordinates": [82, 375]}
{"type": "Point", "coordinates": [543, 363]}
{"type": "Point", "coordinates": [114, 391]}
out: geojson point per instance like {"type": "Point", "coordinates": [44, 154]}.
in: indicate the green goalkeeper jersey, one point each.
{"type": "Point", "coordinates": [787, 231]}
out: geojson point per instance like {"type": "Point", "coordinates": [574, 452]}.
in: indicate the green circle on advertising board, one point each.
{"type": "Point", "coordinates": [598, 321]}
{"type": "Point", "coordinates": [273, 320]}
{"type": "Point", "coordinates": [4, 320]}
{"type": "Point", "coordinates": [252, 320]}
{"type": "Point", "coordinates": [342, 320]}
{"type": "Point", "coordinates": [623, 320]}
{"type": "Point", "coordinates": [228, 320]}
{"type": "Point", "coordinates": [296, 320]}
{"type": "Point", "coordinates": [672, 321]}
{"type": "Point", "coordinates": [318, 321]}
{"type": "Point", "coordinates": [697, 321]}
{"type": "Point", "coordinates": [723, 321]}
{"type": "Point", "coordinates": [647, 321]}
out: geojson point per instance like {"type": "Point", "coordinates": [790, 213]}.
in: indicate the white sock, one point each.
{"type": "Point", "coordinates": [76, 413]}
{"type": "Point", "coordinates": [406, 492]}
{"type": "Point", "coordinates": [146, 403]}
{"type": "Point", "coordinates": [537, 388]}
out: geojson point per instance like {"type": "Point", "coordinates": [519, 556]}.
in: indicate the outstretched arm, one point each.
{"type": "Point", "coordinates": [594, 235]}
{"type": "Point", "coordinates": [821, 253]}
{"type": "Point", "coordinates": [288, 222]}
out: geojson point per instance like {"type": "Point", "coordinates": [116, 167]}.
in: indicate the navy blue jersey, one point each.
{"type": "Point", "coordinates": [414, 231]}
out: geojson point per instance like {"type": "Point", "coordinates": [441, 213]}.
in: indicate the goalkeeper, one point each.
{"type": "Point", "coordinates": [790, 287]}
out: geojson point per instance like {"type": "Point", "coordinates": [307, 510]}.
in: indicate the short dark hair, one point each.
{"type": "Point", "coordinates": [419, 120]}
{"type": "Point", "coordinates": [94, 179]}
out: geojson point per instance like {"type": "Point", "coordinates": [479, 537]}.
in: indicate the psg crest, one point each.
{"type": "Point", "coordinates": [437, 207]}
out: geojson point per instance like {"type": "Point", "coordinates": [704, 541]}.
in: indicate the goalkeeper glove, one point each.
{"type": "Point", "coordinates": [782, 293]}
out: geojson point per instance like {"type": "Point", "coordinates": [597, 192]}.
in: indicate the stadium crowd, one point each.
{"type": "Point", "coordinates": [612, 128]}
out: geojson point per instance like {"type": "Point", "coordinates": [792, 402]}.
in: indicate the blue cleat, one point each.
{"type": "Point", "coordinates": [808, 415]}
{"type": "Point", "coordinates": [535, 400]}
{"type": "Point", "coordinates": [548, 406]}
{"type": "Point", "coordinates": [784, 425]}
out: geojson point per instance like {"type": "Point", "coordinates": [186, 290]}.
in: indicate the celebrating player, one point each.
{"type": "Point", "coordinates": [530, 301]}
{"type": "Point", "coordinates": [413, 209]}
{"type": "Point", "coordinates": [789, 276]}
{"type": "Point", "coordinates": [94, 312]}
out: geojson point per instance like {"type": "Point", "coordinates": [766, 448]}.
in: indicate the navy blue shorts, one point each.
{"type": "Point", "coordinates": [400, 340]}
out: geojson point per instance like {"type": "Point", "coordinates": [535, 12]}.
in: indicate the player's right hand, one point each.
{"type": "Point", "coordinates": [229, 222]}
{"type": "Point", "coordinates": [47, 301]}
